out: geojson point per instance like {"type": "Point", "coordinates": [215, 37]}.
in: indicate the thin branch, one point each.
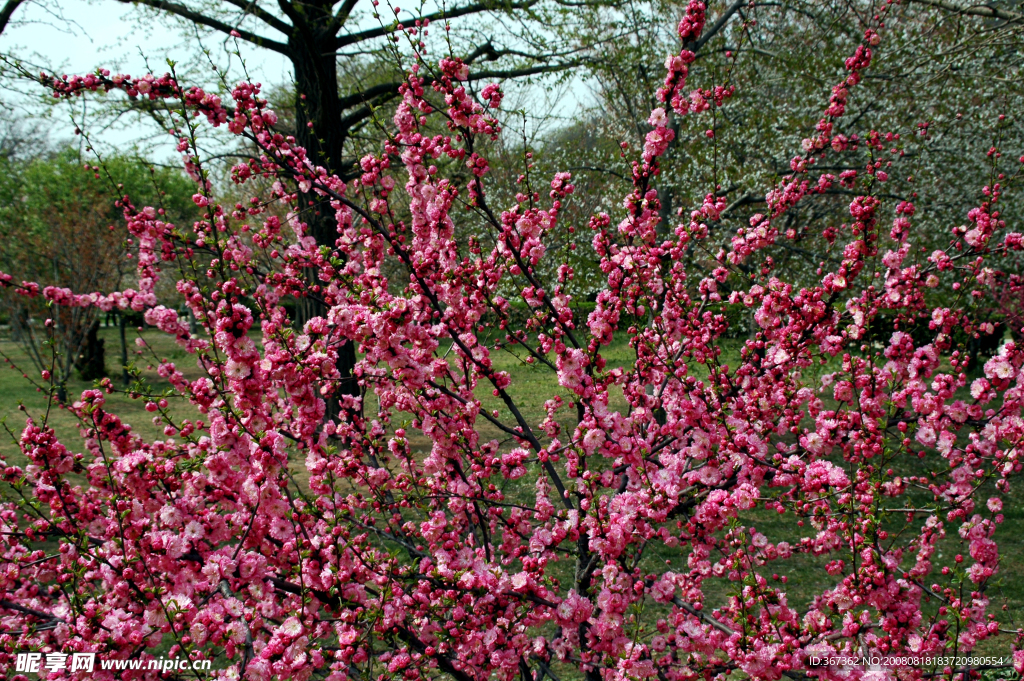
{"type": "Point", "coordinates": [974, 10]}
{"type": "Point", "coordinates": [29, 611]}
{"type": "Point", "coordinates": [368, 34]}
{"type": "Point", "coordinates": [263, 15]}
{"type": "Point", "coordinates": [678, 602]}
{"type": "Point", "coordinates": [196, 17]}
{"type": "Point", "coordinates": [7, 11]}
{"type": "Point", "coordinates": [718, 25]}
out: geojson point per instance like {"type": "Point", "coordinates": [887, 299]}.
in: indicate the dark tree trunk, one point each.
{"type": "Point", "coordinates": [91, 361]}
{"type": "Point", "coordinates": [19, 322]}
{"type": "Point", "coordinates": [317, 101]}
{"type": "Point", "coordinates": [319, 128]}
{"type": "Point", "coordinates": [124, 349]}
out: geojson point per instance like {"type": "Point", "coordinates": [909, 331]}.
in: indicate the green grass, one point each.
{"type": "Point", "coordinates": [532, 386]}
{"type": "Point", "coordinates": [17, 392]}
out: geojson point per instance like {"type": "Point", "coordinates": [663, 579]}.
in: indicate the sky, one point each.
{"type": "Point", "coordinates": [77, 36]}
{"type": "Point", "coordinates": [88, 34]}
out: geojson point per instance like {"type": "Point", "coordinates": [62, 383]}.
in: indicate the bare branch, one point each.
{"type": "Point", "coordinates": [527, 71]}
{"type": "Point", "coordinates": [476, 8]}
{"type": "Point", "coordinates": [343, 14]}
{"type": "Point", "coordinates": [202, 19]}
{"type": "Point", "coordinates": [7, 11]}
{"type": "Point", "coordinates": [29, 611]}
{"type": "Point", "coordinates": [974, 10]}
{"type": "Point", "coordinates": [718, 25]}
{"type": "Point", "coordinates": [263, 15]}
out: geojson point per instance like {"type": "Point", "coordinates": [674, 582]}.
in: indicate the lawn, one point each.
{"type": "Point", "coordinates": [532, 386]}
{"type": "Point", "coordinates": [16, 390]}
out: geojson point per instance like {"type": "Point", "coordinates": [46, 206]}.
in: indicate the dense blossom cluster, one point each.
{"type": "Point", "coordinates": [643, 529]}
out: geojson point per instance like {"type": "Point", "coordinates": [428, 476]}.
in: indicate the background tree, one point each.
{"type": "Point", "coordinates": [642, 522]}
{"type": "Point", "coordinates": [61, 228]}
{"type": "Point", "coordinates": [520, 38]}
{"type": "Point", "coordinates": [949, 72]}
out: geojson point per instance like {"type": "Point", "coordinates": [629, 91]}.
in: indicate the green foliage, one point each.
{"type": "Point", "coordinates": [930, 82]}
{"type": "Point", "coordinates": [62, 224]}
{"type": "Point", "coordinates": [63, 179]}
{"type": "Point", "coordinates": [737, 316]}
{"type": "Point", "coordinates": [41, 195]}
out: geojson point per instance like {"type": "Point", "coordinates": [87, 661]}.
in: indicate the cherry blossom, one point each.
{"type": "Point", "coordinates": [443, 530]}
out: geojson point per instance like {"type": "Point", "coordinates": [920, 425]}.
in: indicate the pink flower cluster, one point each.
{"type": "Point", "coordinates": [428, 524]}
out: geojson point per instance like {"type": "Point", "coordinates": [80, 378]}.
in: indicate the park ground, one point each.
{"type": "Point", "coordinates": [533, 386]}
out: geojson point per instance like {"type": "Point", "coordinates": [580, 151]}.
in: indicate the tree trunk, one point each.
{"type": "Point", "coordinates": [124, 350]}
{"type": "Point", "coordinates": [318, 122]}
{"type": "Point", "coordinates": [91, 360]}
